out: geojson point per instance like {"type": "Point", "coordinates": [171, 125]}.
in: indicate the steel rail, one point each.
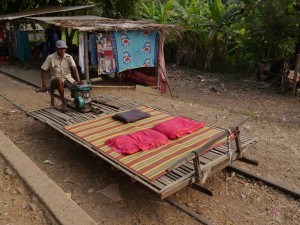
{"type": "Point", "coordinates": [267, 181]}
{"type": "Point", "coordinates": [189, 212]}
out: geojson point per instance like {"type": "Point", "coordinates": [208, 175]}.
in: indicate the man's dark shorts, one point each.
{"type": "Point", "coordinates": [53, 86]}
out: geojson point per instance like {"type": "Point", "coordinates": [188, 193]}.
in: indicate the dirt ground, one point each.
{"type": "Point", "coordinates": [216, 99]}
{"type": "Point", "coordinates": [17, 204]}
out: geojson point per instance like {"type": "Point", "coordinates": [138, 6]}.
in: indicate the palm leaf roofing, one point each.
{"type": "Point", "coordinates": [95, 23]}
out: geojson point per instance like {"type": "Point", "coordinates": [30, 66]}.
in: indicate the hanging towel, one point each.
{"type": "Point", "coordinates": [135, 49]}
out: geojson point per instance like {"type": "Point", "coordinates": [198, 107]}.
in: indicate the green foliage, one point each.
{"type": "Point", "coordinates": [12, 6]}
{"type": "Point", "coordinates": [118, 9]}
{"type": "Point", "coordinates": [240, 31]}
{"type": "Point", "coordinates": [271, 28]}
{"type": "Point", "coordinates": [156, 11]}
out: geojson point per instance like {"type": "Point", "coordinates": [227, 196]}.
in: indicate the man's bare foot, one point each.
{"type": "Point", "coordinates": [64, 107]}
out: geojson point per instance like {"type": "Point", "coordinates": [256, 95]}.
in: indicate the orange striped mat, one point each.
{"type": "Point", "coordinates": [153, 163]}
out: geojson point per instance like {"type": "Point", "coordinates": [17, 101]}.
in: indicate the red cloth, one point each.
{"type": "Point", "coordinates": [141, 77]}
{"type": "Point", "coordinates": [141, 140]}
{"type": "Point", "coordinates": [161, 62]}
{"type": "Point", "coordinates": [178, 127]}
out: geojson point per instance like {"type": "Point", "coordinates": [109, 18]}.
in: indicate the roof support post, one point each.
{"type": "Point", "coordinates": [86, 57]}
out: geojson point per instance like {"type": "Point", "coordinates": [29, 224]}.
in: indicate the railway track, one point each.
{"type": "Point", "coordinates": [284, 188]}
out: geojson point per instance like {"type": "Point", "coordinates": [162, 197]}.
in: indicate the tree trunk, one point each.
{"type": "Point", "coordinates": [284, 75]}
{"type": "Point", "coordinates": [297, 69]}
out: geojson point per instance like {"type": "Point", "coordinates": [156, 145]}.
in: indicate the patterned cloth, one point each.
{"type": "Point", "coordinates": [105, 55]}
{"type": "Point", "coordinates": [135, 49]}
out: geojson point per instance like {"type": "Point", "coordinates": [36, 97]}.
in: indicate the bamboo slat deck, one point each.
{"type": "Point", "coordinates": [211, 162]}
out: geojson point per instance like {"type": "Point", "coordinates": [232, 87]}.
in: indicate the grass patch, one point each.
{"type": "Point", "coordinates": [251, 115]}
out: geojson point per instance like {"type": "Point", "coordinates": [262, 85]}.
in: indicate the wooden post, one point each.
{"type": "Point", "coordinates": [297, 69]}
{"type": "Point", "coordinates": [197, 167]}
{"type": "Point", "coordinates": [157, 62]}
{"type": "Point", "coordinates": [86, 57]}
{"type": "Point", "coordinates": [238, 142]}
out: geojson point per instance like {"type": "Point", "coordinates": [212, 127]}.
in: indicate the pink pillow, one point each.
{"type": "Point", "coordinates": [123, 144]}
{"type": "Point", "coordinates": [148, 139]}
{"type": "Point", "coordinates": [141, 140]}
{"type": "Point", "coordinates": [178, 127]}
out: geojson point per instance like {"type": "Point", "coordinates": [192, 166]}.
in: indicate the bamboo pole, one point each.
{"type": "Point", "coordinates": [297, 69]}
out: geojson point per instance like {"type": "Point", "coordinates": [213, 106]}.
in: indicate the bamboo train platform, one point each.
{"type": "Point", "coordinates": [188, 160]}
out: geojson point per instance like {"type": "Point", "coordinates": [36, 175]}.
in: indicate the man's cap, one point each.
{"type": "Point", "coordinates": [61, 44]}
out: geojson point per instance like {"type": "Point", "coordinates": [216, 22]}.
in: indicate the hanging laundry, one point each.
{"type": "Point", "coordinates": [81, 53]}
{"type": "Point", "coordinates": [13, 44]}
{"type": "Point", "coordinates": [75, 40]}
{"type": "Point", "coordinates": [1, 34]}
{"type": "Point", "coordinates": [24, 51]}
{"type": "Point", "coordinates": [93, 49]}
{"type": "Point", "coordinates": [105, 54]}
{"type": "Point", "coordinates": [54, 40]}
{"type": "Point", "coordinates": [135, 49]}
{"type": "Point", "coordinates": [63, 36]}
{"type": "Point", "coordinates": [66, 33]}
{"type": "Point", "coordinates": [52, 35]}
{"type": "Point", "coordinates": [44, 51]}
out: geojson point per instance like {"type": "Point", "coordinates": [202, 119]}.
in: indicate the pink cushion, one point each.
{"type": "Point", "coordinates": [141, 140]}
{"type": "Point", "coordinates": [178, 127]}
{"type": "Point", "coordinates": [148, 139]}
{"type": "Point", "coordinates": [123, 144]}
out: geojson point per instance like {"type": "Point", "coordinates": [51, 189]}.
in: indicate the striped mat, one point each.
{"type": "Point", "coordinates": [151, 164]}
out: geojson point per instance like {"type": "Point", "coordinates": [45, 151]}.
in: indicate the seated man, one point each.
{"type": "Point", "coordinates": [60, 64]}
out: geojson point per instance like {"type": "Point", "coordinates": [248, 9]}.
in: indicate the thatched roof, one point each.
{"type": "Point", "coordinates": [94, 23]}
{"type": "Point", "coordinates": [42, 11]}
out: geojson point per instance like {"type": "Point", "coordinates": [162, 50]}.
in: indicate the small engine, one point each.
{"type": "Point", "coordinates": [81, 95]}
